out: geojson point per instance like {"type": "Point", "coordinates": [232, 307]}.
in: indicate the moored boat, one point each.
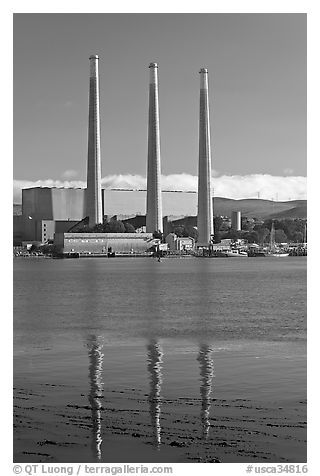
{"type": "Point", "coordinates": [274, 250]}
{"type": "Point", "coordinates": [254, 253]}
{"type": "Point", "coordinates": [237, 254]}
{"type": "Point", "coordinates": [279, 254]}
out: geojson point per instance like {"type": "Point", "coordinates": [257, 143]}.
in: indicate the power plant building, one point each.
{"type": "Point", "coordinates": [44, 207]}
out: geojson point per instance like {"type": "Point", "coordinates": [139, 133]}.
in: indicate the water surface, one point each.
{"type": "Point", "coordinates": [184, 360]}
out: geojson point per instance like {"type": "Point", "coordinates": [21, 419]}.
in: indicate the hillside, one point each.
{"type": "Point", "coordinates": [297, 212]}
{"type": "Point", "coordinates": [262, 209]}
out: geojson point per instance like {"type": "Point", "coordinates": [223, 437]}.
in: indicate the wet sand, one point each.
{"type": "Point", "coordinates": [122, 430]}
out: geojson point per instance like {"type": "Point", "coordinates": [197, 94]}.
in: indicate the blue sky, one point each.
{"type": "Point", "coordinates": [257, 78]}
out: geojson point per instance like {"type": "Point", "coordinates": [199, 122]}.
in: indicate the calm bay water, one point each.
{"type": "Point", "coordinates": [183, 360]}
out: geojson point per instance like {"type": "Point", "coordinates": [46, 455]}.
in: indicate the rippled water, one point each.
{"type": "Point", "coordinates": [183, 360]}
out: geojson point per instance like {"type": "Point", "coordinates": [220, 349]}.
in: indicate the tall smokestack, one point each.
{"type": "Point", "coordinates": [94, 198]}
{"type": "Point", "coordinates": [154, 201]}
{"type": "Point", "coordinates": [205, 216]}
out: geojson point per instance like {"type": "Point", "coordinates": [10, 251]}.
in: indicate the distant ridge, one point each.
{"type": "Point", "coordinates": [262, 209]}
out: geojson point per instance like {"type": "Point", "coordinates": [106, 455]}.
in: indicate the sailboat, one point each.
{"type": "Point", "coordinates": [273, 249]}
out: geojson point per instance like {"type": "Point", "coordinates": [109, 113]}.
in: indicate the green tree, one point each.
{"type": "Point", "coordinates": [34, 248]}
{"type": "Point", "coordinates": [49, 249]}
{"type": "Point", "coordinates": [297, 237]}
{"type": "Point", "coordinates": [180, 231]}
{"type": "Point", "coordinates": [217, 222]}
{"type": "Point", "coordinates": [289, 226]}
{"type": "Point", "coordinates": [262, 233]}
{"type": "Point", "coordinates": [129, 228]}
{"type": "Point", "coordinates": [158, 235]}
{"type": "Point", "coordinates": [231, 234]}
{"type": "Point", "coordinates": [280, 236]}
{"type": "Point", "coordinates": [252, 237]}
{"type": "Point", "coordinates": [115, 226]}
{"type": "Point", "coordinates": [99, 228]}
{"type": "Point", "coordinates": [192, 232]}
{"type": "Point", "coordinates": [246, 225]}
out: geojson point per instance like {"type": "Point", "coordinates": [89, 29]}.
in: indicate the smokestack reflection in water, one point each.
{"type": "Point", "coordinates": [96, 391]}
{"type": "Point", "coordinates": [207, 373]}
{"type": "Point", "coordinates": [155, 355]}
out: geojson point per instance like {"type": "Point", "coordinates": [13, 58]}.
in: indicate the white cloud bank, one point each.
{"type": "Point", "coordinates": [263, 186]}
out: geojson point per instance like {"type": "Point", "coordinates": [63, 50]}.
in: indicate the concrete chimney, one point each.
{"type": "Point", "coordinates": [94, 197]}
{"type": "Point", "coordinates": [205, 213]}
{"type": "Point", "coordinates": [154, 199]}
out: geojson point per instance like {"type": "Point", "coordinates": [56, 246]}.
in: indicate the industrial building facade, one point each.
{"type": "Point", "coordinates": [46, 211]}
{"type": "Point", "coordinates": [101, 243]}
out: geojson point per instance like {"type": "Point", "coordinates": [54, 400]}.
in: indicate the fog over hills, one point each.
{"type": "Point", "coordinates": [263, 186]}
